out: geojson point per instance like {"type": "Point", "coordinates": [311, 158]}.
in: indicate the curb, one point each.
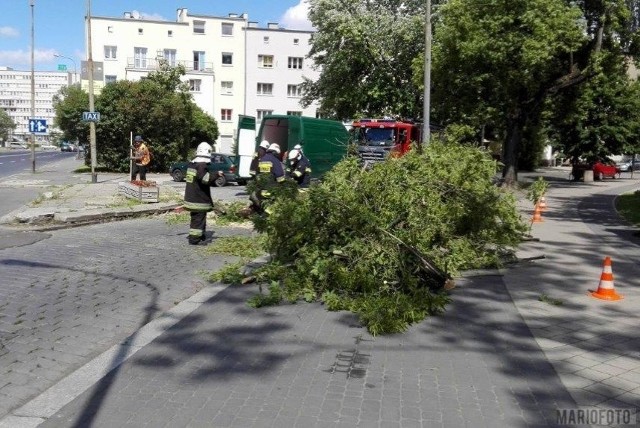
{"type": "Point", "coordinates": [62, 220]}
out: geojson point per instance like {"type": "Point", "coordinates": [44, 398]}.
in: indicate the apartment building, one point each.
{"type": "Point", "coordinates": [15, 98]}
{"type": "Point", "coordinates": [276, 65]}
{"type": "Point", "coordinates": [224, 58]}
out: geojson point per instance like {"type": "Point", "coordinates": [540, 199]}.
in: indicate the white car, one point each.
{"type": "Point", "coordinates": [17, 145]}
{"type": "Point", "coordinates": [48, 147]}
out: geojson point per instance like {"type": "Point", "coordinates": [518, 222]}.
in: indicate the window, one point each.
{"type": "Point", "coordinates": [109, 78]}
{"type": "Point", "coordinates": [265, 88]}
{"type": "Point", "coordinates": [294, 91]}
{"type": "Point", "coordinates": [265, 61]}
{"type": "Point", "coordinates": [262, 113]}
{"type": "Point", "coordinates": [294, 113]}
{"type": "Point", "coordinates": [296, 41]}
{"type": "Point", "coordinates": [110, 52]}
{"type": "Point", "coordinates": [140, 57]}
{"type": "Point", "coordinates": [194, 85]}
{"type": "Point", "coordinates": [198, 27]}
{"type": "Point", "coordinates": [110, 29]}
{"type": "Point", "coordinates": [227, 29]}
{"type": "Point", "coordinates": [140, 31]}
{"type": "Point", "coordinates": [227, 87]}
{"type": "Point", "coordinates": [170, 33]}
{"type": "Point", "coordinates": [266, 40]}
{"type": "Point", "coordinates": [295, 62]}
{"type": "Point", "coordinates": [198, 60]}
{"type": "Point", "coordinates": [227, 58]}
{"type": "Point", "coordinates": [170, 56]}
{"type": "Point", "coordinates": [225, 114]}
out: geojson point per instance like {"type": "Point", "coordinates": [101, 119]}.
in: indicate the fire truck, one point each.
{"type": "Point", "coordinates": [379, 138]}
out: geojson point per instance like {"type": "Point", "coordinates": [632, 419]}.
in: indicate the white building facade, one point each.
{"type": "Point", "coordinates": [276, 65]}
{"type": "Point", "coordinates": [15, 99]}
{"type": "Point", "coordinates": [224, 62]}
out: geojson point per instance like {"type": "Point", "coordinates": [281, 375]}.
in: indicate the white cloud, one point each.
{"type": "Point", "coordinates": [296, 17]}
{"type": "Point", "coordinates": [9, 32]}
{"type": "Point", "coordinates": [21, 59]}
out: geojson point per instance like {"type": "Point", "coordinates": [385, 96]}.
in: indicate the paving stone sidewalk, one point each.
{"type": "Point", "coordinates": [228, 365]}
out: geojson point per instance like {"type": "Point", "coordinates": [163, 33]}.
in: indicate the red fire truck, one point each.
{"type": "Point", "coordinates": [378, 138]}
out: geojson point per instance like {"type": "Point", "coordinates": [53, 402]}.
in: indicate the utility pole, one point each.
{"type": "Point", "coordinates": [92, 124]}
{"type": "Point", "coordinates": [33, 91]}
{"type": "Point", "coordinates": [426, 130]}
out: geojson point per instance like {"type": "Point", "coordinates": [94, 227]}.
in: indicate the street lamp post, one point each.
{"type": "Point", "coordinates": [33, 91]}
{"type": "Point", "coordinates": [74, 65]}
{"type": "Point", "coordinates": [426, 130]}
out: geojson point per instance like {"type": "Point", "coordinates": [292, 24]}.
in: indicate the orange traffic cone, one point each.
{"type": "Point", "coordinates": [537, 215]}
{"type": "Point", "coordinates": [542, 203]}
{"type": "Point", "coordinates": [606, 290]}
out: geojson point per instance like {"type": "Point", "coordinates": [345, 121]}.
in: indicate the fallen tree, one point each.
{"type": "Point", "coordinates": [385, 242]}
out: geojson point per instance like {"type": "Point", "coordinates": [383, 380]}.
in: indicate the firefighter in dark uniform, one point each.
{"type": "Point", "coordinates": [262, 150]}
{"type": "Point", "coordinates": [197, 193]}
{"type": "Point", "coordinates": [299, 168]}
{"type": "Point", "coordinates": [271, 172]}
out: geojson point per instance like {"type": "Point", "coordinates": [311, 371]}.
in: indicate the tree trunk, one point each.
{"type": "Point", "coordinates": [515, 125]}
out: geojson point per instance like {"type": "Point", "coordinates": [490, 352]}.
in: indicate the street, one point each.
{"type": "Point", "coordinates": [15, 161]}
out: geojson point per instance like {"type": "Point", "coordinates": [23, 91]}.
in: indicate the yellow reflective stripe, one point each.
{"type": "Point", "coordinates": [280, 179]}
{"type": "Point", "coordinates": [197, 206]}
{"type": "Point", "coordinates": [264, 166]}
{"type": "Point", "coordinates": [206, 178]}
{"type": "Point", "coordinates": [297, 173]}
{"type": "Point", "coordinates": [308, 170]}
{"type": "Point", "coordinates": [195, 232]}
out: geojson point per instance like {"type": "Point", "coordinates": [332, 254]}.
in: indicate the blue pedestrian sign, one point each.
{"type": "Point", "coordinates": [91, 116]}
{"type": "Point", "coordinates": [37, 126]}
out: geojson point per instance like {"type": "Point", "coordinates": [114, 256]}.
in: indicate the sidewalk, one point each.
{"type": "Point", "coordinates": [85, 203]}
{"type": "Point", "coordinates": [500, 356]}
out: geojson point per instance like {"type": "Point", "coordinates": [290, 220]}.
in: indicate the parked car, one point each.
{"type": "Point", "coordinates": [48, 147]}
{"type": "Point", "coordinates": [626, 166]}
{"type": "Point", "coordinates": [222, 165]}
{"type": "Point", "coordinates": [17, 145]}
{"type": "Point", "coordinates": [68, 147]}
{"type": "Point", "coordinates": [602, 170]}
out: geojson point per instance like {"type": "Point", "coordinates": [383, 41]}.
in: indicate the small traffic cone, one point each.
{"type": "Point", "coordinates": [606, 289]}
{"type": "Point", "coordinates": [542, 203]}
{"type": "Point", "coordinates": [537, 215]}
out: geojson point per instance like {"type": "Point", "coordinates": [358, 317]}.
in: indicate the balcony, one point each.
{"type": "Point", "coordinates": [152, 64]}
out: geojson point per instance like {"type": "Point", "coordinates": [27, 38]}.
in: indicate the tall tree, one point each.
{"type": "Point", "coordinates": [513, 56]}
{"type": "Point", "coordinates": [364, 49]}
{"type": "Point", "coordinates": [6, 125]}
{"type": "Point", "coordinates": [69, 103]}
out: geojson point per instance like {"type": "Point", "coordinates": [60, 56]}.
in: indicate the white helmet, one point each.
{"type": "Point", "coordinates": [204, 150]}
{"type": "Point", "coordinates": [298, 147]}
{"type": "Point", "coordinates": [294, 154]}
{"type": "Point", "coordinates": [265, 144]}
{"type": "Point", "coordinates": [274, 148]}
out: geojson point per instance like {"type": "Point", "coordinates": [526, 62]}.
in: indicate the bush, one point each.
{"type": "Point", "coordinates": [382, 242]}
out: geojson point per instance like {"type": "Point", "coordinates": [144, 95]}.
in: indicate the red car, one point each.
{"type": "Point", "coordinates": [601, 170]}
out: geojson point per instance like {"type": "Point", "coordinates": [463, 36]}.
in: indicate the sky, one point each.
{"type": "Point", "coordinates": [59, 24]}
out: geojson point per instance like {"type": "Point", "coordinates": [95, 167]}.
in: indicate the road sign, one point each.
{"type": "Point", "coordinates": [62, 67]}
{"type": "Point", "coordinates": [91, 116]}
{"type": "Point", "coordinates": [38, 126]}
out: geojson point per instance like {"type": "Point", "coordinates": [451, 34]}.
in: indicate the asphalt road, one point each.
{"type": "Point", "coordinates": [17, 161]}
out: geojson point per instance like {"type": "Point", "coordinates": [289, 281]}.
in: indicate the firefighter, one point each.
{"type": "Point", "coordinates": [197, 193]}
{"type": "Point", "coordinates": [262, 149]}
{"type": "Point", "coordinates": [271, 172]}
{"type": "Point", "coordinates": [299, 168]}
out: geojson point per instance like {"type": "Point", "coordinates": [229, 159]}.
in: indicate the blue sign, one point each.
{"type": "Point", "coordinates": [38, 126]}
{"type": "Point", "coordinates": [90, 116]}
